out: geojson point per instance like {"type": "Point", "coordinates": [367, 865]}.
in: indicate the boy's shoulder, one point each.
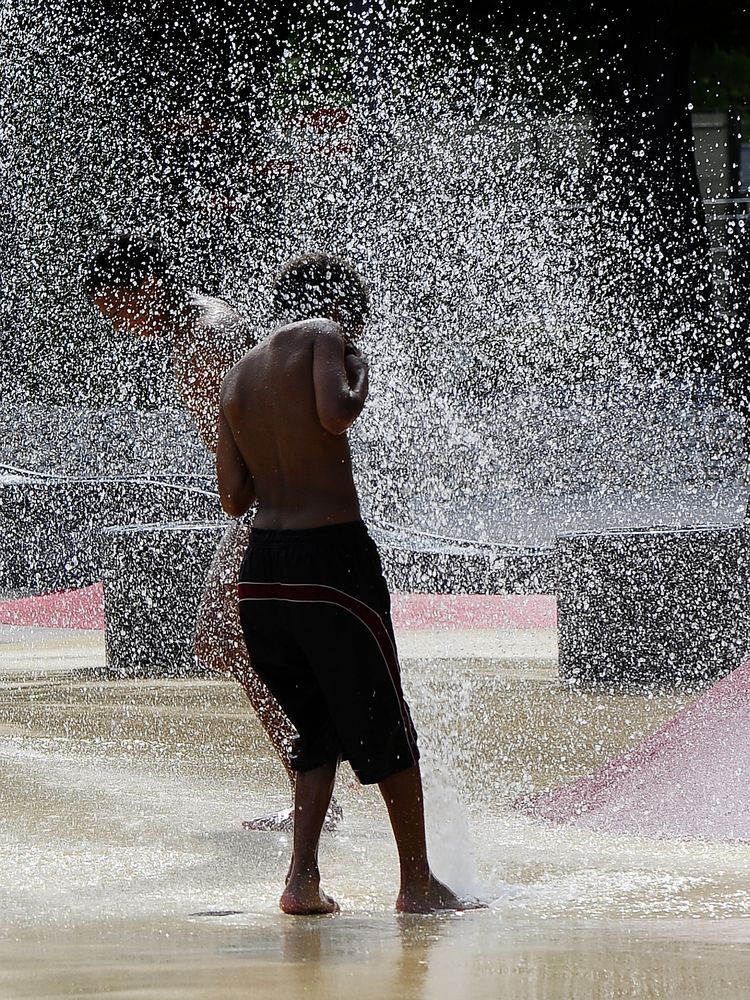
{"type": "Point", "coordinates": [215, 335]}
{"type": "Point", "coordinates": [218, 318]}
{"type": "Point", "coordinates": [210, 309]}
{"type": "Point", "coordinates": [309, 329]}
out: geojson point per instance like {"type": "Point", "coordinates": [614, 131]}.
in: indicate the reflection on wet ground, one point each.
{"type": "Point", "coordinates": [125, 871]}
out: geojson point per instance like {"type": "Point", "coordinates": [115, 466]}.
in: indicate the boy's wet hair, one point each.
{"type": "Point", "coordinates": [124, 262]}
{"type": "Point", "coordinates": [320, 285]}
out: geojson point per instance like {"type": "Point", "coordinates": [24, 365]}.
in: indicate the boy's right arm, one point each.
{"type": "Point", "coordinates": [340, 380]}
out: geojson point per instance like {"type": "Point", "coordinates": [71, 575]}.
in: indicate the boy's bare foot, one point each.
{"type": "Point", "coordinates": [278, 822]}
{"type": "Point", "coordinates": [432, 898]}
{"type": "Point", "coordinates": [304, 897]}
{"type": "Point", "coordinates": [281, 822]}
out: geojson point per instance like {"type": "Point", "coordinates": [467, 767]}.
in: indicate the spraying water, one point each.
{"type": "Point", "coordinates": [460, 191]}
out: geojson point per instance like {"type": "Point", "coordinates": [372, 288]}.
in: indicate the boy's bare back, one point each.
{"type": "Point", "coordinates": [284, 410]}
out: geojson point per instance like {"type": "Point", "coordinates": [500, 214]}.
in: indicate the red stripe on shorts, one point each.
{"type": "Point", "coordinates": [315, 593]}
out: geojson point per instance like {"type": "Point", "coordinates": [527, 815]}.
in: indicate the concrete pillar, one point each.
{"type": "Point", "coordinates": [50, 528]}
{"type": "Point", "coordinates": [420, 563]}
{"type": "Point", "coordinates": [652, 608]}
{"type": "Point", "coordinates": [153, 578]}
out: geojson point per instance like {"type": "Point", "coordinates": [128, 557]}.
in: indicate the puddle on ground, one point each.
{"type": "Point", "coordinates": [125, 871]}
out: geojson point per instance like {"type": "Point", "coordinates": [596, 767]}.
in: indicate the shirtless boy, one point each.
{"type": "Point", "coordinates": [135, 287]}
{"type": "Point", "coordinates": [314, 606]}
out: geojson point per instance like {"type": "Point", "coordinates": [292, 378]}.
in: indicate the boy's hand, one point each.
{"type": "Point", "coordinates": [355, 365]}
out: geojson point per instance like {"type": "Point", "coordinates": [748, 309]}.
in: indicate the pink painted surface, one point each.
{"type": "Point", "coordinates": [85, 609]}
{"type": "Point", "coordinates": [67, 609]}
{"type": "Point", "coordinates": [689, 780]}
{"type": "Point", "coordinates": [466, 611]}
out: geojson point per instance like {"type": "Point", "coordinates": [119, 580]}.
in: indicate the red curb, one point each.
{"type": "Point", "coordinates": [67, 609]}
{"type": "Point", "coordinates": [468, 611]}
{"type": "Point", "coordinates": [85, 609]}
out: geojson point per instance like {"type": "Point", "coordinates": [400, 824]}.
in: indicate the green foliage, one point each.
{"type": "Point", "coordinates": [315, 70]}
{"type": "Point", "coordinates": [721, 79]}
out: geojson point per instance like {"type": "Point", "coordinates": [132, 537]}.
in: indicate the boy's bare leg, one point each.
{"type": "Point", "coordinates": [420, 890]}
{"type": "Point", "coordinates": [312, 796]}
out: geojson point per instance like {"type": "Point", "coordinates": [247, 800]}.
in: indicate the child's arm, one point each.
{"type": "Point", "coordinates": [236, 486]}
{"type": "Point", "coordinates": [340, 380]}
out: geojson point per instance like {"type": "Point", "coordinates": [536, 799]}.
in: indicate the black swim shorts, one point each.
{"type": "Point", "coordinates": [315, 612]}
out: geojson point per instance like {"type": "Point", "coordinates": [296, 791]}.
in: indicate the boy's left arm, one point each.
{"type": "Point", "coordinates": [236, 486]}
{"type": "Point", "coordinates": [340, 378]}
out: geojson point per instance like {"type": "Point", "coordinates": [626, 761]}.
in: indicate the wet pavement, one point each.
{"type": "Point", "coordinates": [124, 870]}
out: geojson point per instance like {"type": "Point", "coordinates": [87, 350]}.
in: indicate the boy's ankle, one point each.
{"type": "Point", "coordinates": [417, 881]}
{"type": "Point", "coordinates": [305, 873]}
